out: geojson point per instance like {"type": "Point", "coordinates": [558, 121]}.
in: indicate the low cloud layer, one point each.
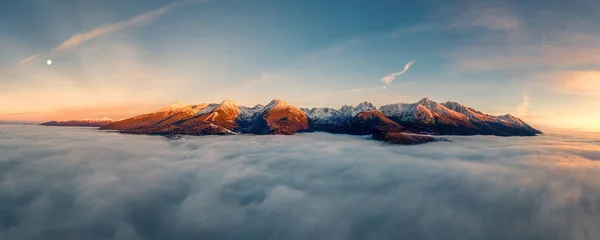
{"type": "Point", "coordinates": [77, 183]}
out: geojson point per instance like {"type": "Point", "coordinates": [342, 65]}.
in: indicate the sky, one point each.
{"type": "Point", "coordinates": [538, 60]}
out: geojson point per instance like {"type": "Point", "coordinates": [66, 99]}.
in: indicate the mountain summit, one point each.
{"type": "Point", "coordinates": [406, 123]}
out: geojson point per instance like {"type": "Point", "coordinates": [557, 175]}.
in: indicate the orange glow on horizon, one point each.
{"type": "Point", "coordinates": [584, 82]}
{"type": "Point", "coordinates": [114, 112]}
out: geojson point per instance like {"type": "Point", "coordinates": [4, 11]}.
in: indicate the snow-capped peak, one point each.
{"type": "Point", "coordinates": [428, 103]}
{"type": "Point", "coordinates": [276, 103]}
{"type": "Point", "coordinates": [227, 107]}
{"type": "Point", "coordinates": [441, 109]}
{"type": "Point", "coordinates": [246, 113]}
{"type": "Point", "coordinates": [103, 119]}
{"type": "Point", "coordinates": [453, 105]}
{"type": "Point", "coordinates": [425, 101]}
{"type": "Point", "coordinates": [207, 108]}
{"type": "Point", "coordinates": [471, 113]}
{"type": "Point", "coordinates": [227, 104]}
{"type": "Point", "coordinates": [320, 114]}
{"type": "Point", "coordinates": [510, 119]}
{"type": "Point", "coordinates": [363, 107]}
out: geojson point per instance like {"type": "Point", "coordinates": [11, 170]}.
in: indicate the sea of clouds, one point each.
{"type": "Point", "coordinates": [82, 183]}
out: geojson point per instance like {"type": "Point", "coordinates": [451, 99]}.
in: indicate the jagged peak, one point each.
{"type": "Point", "coordinates": [456, 106]}
{"type": "Point", "coordinates": [322, 108]}
{"type": "Point", "coordinates": [193, 108]}
{"type": "Point", "coordinates": [474, 115]}
{"type": "Point", "coordinates": [420, 107]}
{"type": "Point", "coordinates": [207, 108]}
{"type": "Point", "coordinates": [315, 110]}
{"type": "Point", "coordinates": [104, 119]}
{"type": "Point", "coordinates": [226, 104]}
{"type": "Point", "coordinates": [511, 119]}
{"type": "Point", "coordinates": [509, 116]}
{"type": "Point", "coordinates": [363, 107]}
{"type": "Point", "coordinates": [451, 103]}
{"type": "Point", "coordinates": [364, 104]}
{"type": "Point", "coordinates": [346, 107]}
{"type": "Point", "coordinates": [93, 119]}
{"type": "Point", "coordinates": [426, 100]}
{"type": "Point", "coordinates": [257, 106]}
{"type": "Point", "coordinates": [276, 102]}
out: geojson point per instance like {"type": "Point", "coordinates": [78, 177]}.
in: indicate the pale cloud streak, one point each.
{"type": "Point", "coordinates": [28, 59]}
{"type": "Point", "coordinates": [141, 19]}
{"type": "Point", "coordinates": [493, 18]}
{"type": "Point", "coordinates": [523, 108]}
{"type": "Point", "coordinates": [392, 76]}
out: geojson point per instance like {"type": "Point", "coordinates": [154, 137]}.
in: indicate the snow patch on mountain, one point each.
{"type": "Point", "coordinates": [512, 120]}
{"type": "Point", "coordinates": [277, 104]}
{"type": "Point", "coordinates": [441, 110]}
{"type": "Point", "coordinates": [228, 107]}
{"type": "Point", "coordinates": [320, 114]}
{"type": "Point", "coordinates": [332, 115]}
{"type": "Point", "coordinates": [280, 105]}
{"type": "Point", "coordinates": [472, 114]}
{"type": "Point", "coordinates": [408, 112]}
{"type": "Point", "coordinates": [246, 113]}
{"type": "Point", "coordinates": [207, 109]}
{"type": "Point", "coordinates": [363, 107]}
{"type": "Point", "coordinates": [102, 119]}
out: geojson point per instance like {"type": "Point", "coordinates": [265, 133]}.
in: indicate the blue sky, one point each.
{"type": "Point", "coordinates": [535, 59]}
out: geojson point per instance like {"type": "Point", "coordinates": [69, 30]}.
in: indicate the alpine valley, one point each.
{"type": "Point", "coordinates": [399, 123]}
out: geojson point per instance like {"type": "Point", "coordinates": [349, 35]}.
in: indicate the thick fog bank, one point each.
{"type": "Point", "coordinates": [81, 183]}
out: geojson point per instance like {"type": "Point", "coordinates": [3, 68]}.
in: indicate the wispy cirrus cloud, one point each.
{"type": "Point", "coordinates": [523, 108]}
{"type": "Point", "coordinates": [392, 76]}
{"type": "Point", "coordinates": [28, 59]}
{"type": "Point", "coordinates": [143, 18]}
{"type": "Point", "coordinates": [493, 18]}
{"type": "Point", "coordinates": [138, 20]}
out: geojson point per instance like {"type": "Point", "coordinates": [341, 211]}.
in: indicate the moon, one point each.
{"type": "Point", "coordinates": [49, 62]}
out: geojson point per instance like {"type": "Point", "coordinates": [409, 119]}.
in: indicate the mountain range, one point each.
{"type": "Point", "coordinates": [402, 123]}
{"type": "Point", "coordinates": [86, 122]}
